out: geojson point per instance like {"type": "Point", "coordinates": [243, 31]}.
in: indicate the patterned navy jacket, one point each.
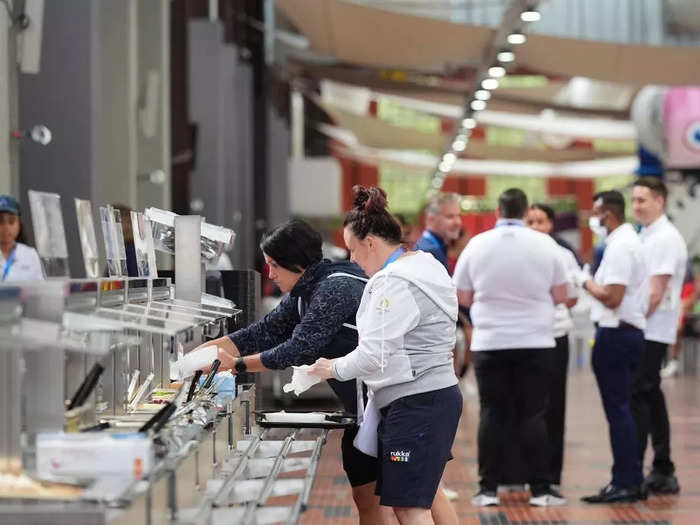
{"type": "Point", "coordinates": [292, 336]}
{"type": "Point", "coordinates": [309, 323]}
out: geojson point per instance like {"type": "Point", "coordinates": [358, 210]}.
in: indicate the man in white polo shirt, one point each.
{"type": "Point", "coordinates": [620, 289]}
{"type": "Point", "coordinates": [666, 257]}
{"type": "Point", "coordinates": [512, 277]}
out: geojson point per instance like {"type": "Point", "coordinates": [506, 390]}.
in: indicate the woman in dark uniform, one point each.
{"type": "Point", "coordinates": [316, 318]}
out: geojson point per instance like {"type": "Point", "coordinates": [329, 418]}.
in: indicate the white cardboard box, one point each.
{"type": "Point", "coordinates": [93, 455]}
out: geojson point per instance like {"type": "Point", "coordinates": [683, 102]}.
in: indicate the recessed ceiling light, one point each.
{"type": "Point", "coordinates": [497, 71]}
{"type": "Point", "coordinates": [516, 39]}
{"type": "Point", "coordinates": [506, 56]}
{"type": "Point", "coordinates": [489, 83]}
{"type": "Point", "coordinates": [468, 123]}
{"type": "Point", "coordinates": [530, 16]}
{"type": "Point", "coordinates": [449, 158]}
{"type": "Point", "coordinates": [482, 94]}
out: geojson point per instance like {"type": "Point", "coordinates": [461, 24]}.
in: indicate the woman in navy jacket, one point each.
{"type": "Point", "coordinates": [316, 318]}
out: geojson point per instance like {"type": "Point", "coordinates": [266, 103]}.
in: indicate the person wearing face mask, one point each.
{"type": "Point", "coordinates": [18, 262]}
{"type": "Point", "coordinates": [316, 318]}
{"type": "Point", "coordinates": [406, 326]}
{"type": "Point", "coordinates": [540, 217]}
{"type": "Point", "coordinates": [666, 256]}
{"type": "Point", "coordinates": [620, 288]}
{"type": "Point", "coordinates": [443, 223]}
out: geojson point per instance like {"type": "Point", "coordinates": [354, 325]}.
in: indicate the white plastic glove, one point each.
{"type": "Point", "coordinates": [301, 380]}
{"type": "Point", "coordinates": [582, 275]}
{"type": "Point", "coordinates": [193, 361]}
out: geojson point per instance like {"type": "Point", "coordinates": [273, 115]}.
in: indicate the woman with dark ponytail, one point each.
{"type": "Point", "coordinates": [406, 326]}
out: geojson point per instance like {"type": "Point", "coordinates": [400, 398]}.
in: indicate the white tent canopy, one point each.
{"type": "Point", "coordinates": [355, 101]}
{"type": "Point", "coordinates": [464, 167]}
{"type": "Point", "coordinates": [371, 36]}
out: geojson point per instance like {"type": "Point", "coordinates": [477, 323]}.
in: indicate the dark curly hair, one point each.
{"type": "Point", "coordinates": [369, 216]}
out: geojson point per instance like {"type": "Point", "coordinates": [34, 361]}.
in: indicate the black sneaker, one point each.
{"type": "Point", "coordinates": [547, 498]}
{"type": "Point", "coordinates": [486, 498]}
{"type": "Point", "coordinates": [657, 483]}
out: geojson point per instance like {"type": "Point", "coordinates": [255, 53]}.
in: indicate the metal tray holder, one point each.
{"type": "Point", "coordinates": [250, 482]}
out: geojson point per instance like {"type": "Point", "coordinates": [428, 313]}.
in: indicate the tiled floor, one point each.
{"type": "Point", "coordinates": [586, 469]}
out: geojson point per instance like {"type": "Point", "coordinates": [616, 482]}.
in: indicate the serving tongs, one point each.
{"type": "Point", "coordinates": [142, 392]}
{"type": "Point", "coordinates": [159, 419]}
{"type": "Point", "coordinates": [78, 406]}
{"type": "Point", "coordinates": [86, 387]}
{"type": "Point", "coordinates": [204, 391]}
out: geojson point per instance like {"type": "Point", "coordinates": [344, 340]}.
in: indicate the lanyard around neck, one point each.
{"type": "Point", "coordinates": [9, 263]}
{"type": "Point", "coordinates": [398, 252]}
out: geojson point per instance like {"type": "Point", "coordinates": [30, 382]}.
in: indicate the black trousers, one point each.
{"type": "Point", "coordinates": [616, 356]}
{"type": "Point", "coordinates": [504, 377]}
{"type": "Point", "coordinates": [649, 408]}
{"type": "Point", "coordinates": [556, 411]}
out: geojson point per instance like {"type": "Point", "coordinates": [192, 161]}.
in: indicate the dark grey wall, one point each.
{"type": "Point", "coordinates": [61, 97]}
{"type": "Point", "coordinates": [220, 101]}
{"type": "Point", "coordinates": [278, 155]}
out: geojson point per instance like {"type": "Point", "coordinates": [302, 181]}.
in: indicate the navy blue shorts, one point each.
{"type": "Point", "coordinates": [416, 434]}
{"type": "Point", "coordinates": [359, 467]}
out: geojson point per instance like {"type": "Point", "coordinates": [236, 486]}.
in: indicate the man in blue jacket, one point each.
{"type": "Point", "coordinates": [442, 225]}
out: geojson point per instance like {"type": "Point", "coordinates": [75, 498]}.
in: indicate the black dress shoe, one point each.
{"type": "Point", "coordinates": [613, 494]}
{"type": "Point", "coordinates": [657, 483]}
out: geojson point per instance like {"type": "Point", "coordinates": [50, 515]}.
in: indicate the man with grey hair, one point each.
{"type": "Point", "coordinates": [442, 225]}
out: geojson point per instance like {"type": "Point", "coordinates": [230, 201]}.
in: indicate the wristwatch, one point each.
{"type": "Point", "coordinates": [240, 366]}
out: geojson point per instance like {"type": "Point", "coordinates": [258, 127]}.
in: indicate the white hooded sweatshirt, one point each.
{"type": "Point", "coordinates": [406, 325]}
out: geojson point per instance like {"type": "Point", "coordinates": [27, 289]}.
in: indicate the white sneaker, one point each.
{"type": "Point", "coordinates": [551, 498]}
{"type": "Point", "coordinates": [485, 498]}
{"type": "Point", "coordinates": [450, 494]}
{"type": "Point", "coordinates": [671, 369]}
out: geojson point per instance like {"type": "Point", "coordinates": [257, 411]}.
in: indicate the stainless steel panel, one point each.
{"type": "Point", "coordinates": [36, 513]}
{"type": "Point", "coordinates": [160, 508]}
{"type": "Point", "coordinates": [10, 410]}
{"type": "Point", "coordinates": [105, 387]}
{"type": "Point", "coordinates": [147, 360]}
{"type": "Point", "coordinates": [137, 512]}
{"type": "Point", "coordinates": [188, 283]}
{"type": "Point", "coordinates": [186, 475]}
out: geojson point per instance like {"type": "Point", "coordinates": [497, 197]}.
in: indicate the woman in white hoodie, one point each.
{"type": "Point", "coordinates": [406, 326]}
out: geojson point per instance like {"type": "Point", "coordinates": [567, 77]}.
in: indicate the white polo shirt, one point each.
{"type": "Point", "coordinates": [623, 263]}
{"type": "Point", "coordinates": [25, 267]}
{"type": "Point", "coordinates": [511, 270]}
{"type": "Point", "coordinates": [666, 254]}
{"type": "Point", "coordinates": [562, 317]}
